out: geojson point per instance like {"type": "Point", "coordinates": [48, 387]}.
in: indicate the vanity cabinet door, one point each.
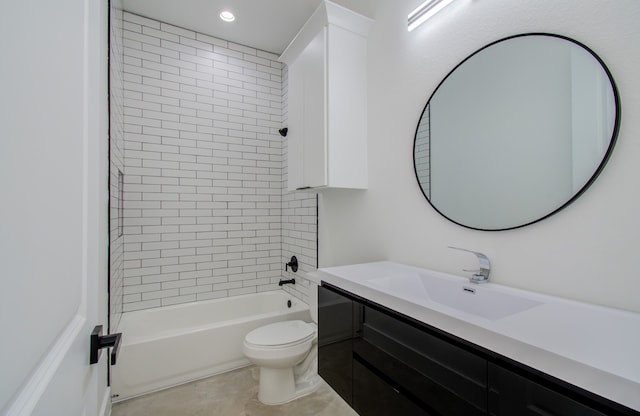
{"type": "Point", "coordinates": [513, 394]}
{"type": "Point", "coordinates": [374, 396]}
{"type": "Point", "coordinates": [434, 373]}
{"type": "Point", "coordinates": [335, 334]}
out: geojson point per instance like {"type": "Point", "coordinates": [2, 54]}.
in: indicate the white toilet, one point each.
{"type": "Point", "coordinates": [287, 354]}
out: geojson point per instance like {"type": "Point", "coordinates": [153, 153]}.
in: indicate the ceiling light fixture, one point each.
{"type": "Point", "coordinates": [227, 16]}
{"type": "Point", "coordinates": [425, 11]}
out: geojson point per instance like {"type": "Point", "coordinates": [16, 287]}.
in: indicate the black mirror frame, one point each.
{"type": "Point", "coordinates": [605, 159]}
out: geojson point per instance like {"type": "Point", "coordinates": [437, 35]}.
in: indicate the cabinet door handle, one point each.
{"type": "Point", "coordinates": [539, 411]}
{"type": "Point", "coordinates": [99, 341]}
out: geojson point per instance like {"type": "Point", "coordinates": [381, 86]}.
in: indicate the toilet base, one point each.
{"type": "Point", "coordinates": [278, 386]}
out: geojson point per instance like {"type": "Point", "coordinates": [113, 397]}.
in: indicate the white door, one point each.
{"type": "Point", "coordinates": [53, 206]}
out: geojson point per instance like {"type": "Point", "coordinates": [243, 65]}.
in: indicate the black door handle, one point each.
{"type": "Point", "coordinates": [99, 341]}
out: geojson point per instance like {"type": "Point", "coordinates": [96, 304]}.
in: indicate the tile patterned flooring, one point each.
{"type": "Point", "coordinates": [230, 394]}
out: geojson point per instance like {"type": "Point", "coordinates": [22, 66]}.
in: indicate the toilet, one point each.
{"type": "Point", "coordinates": [287, 354]}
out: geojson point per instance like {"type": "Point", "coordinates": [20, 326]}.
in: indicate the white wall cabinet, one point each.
{"type": "Point", "coordinates": [327, 101]}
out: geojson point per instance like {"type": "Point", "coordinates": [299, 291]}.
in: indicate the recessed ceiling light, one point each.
{"type": "Point", "coordinates": [227, 16]}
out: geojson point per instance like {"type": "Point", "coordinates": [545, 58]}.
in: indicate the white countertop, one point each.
{"type": "Point", "coordinates": [590, 346]}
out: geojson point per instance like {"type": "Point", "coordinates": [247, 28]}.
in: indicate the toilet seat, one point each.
{"type": "Point", "coordinates": [281, 334]}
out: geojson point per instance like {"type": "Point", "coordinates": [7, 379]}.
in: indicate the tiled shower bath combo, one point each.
{"type": "Point", "coordinates": [205, 214]}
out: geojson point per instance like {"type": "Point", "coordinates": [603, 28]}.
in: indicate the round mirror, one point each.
{"type": "Point", "coordinates": [516, 132]}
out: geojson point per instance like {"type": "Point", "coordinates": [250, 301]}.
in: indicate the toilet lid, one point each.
{"type": "Point", "coordinates": [280, 333]}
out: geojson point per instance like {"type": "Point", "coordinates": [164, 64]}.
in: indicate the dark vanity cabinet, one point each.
{"type": "Point", "coordinates": [335, 333]}
{"type": "Point", "coordinates": [435, 376]}
{"type": "Point", "coordinates": [385, 363]}
{"type": "Point", "coordinates": [511, 393]}
{"type": "Point", "coordinates": [383, 366]}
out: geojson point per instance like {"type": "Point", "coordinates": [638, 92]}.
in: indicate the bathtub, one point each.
{"type": "Point", "coordinates": [172, 345]}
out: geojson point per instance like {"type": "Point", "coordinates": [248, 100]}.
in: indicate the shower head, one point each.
{"type": "Point", "coordinates": [283, 131]}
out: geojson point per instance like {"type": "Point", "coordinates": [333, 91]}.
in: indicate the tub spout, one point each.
{"type": "Point", "coordinates": [284, 282]}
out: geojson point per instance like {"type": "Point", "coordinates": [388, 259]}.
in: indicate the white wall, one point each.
{"type": "Point", "coordinates": [589, 251]}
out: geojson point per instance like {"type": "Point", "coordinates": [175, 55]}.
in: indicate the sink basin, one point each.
{"type": "Point", "coordinates": [478, 300]}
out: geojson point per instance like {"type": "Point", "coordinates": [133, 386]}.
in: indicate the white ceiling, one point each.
{"type": "Point", "coordinates": [268, 25]}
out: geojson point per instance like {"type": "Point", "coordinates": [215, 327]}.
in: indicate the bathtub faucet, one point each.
{"type": "Point", "coordinates": [293, 263]}
{"type": "Point", "coordinates": [284, 282]}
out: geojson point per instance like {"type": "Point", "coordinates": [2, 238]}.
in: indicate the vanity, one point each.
{"type": "Point", "coordinates": [395, 339]}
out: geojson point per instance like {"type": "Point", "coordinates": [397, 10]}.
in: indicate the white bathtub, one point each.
{"type": "Point", "coordinates": [172, 345]}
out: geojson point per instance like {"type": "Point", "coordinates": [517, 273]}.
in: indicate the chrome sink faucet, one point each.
{"type": "Point", "coordinates": [481, 275]}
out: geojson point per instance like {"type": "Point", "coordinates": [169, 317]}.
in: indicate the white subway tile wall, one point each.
{"type": "Point", "coordinates": [203, 169]}
{"type": "Point", "coordinates": [116, 163]}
